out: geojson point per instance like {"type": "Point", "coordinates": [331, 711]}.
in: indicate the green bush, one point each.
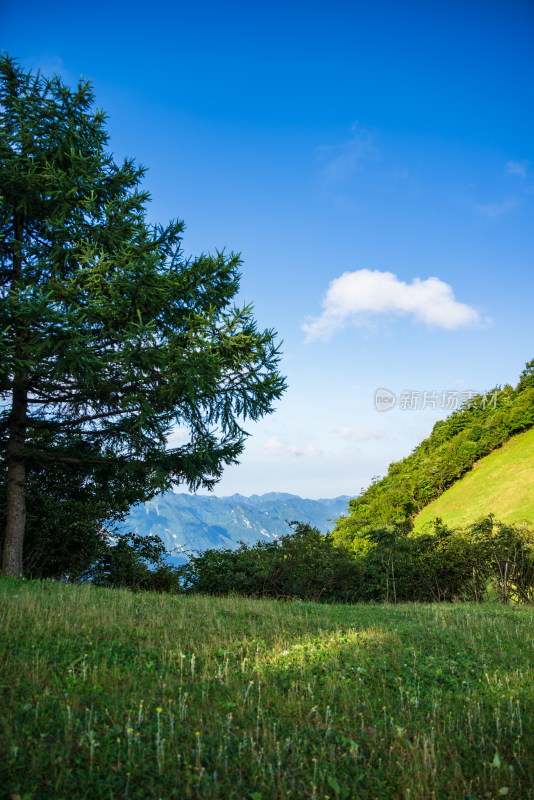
{"type": "Point", "coordinates": [391, 565]}
{"type": "Point", "coordinates": [125, 564]}
{"type": "Point", "coordinates": [447, 564]}
{"type": "Point", "coordinates": [304, 564]}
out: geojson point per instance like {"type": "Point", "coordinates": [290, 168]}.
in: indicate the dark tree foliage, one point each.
{"type": "Point", "coordinates": [109, 335]}
{"type": "Point", "coordinates": [135, 562]}
{"type": "Point", "coordinates": [70, 512]}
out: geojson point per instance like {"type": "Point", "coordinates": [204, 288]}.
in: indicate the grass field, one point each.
{"type": "Point", "coordinates": [501, 483]}
{"type": "Point", "coordinates": [108, 694]}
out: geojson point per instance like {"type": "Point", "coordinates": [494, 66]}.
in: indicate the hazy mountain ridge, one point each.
{"type": "Point", "coordinates": [188, 523]}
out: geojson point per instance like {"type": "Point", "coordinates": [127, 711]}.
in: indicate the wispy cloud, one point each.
{"type": "Point", "coordinates": [354, 296]}
{"type": "Point", "coordinates": [344, 158]}
{"type": "Point", "coordinates": [516, 168]}
{"type": "Point", "coordinates": [276, 446]}
{"type": "Point", "coordinates": [362, 434]}
{"type": "Point", "coordinates": [494, 210]}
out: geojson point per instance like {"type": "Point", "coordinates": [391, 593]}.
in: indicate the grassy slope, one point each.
{"type": "Point", "coordinates": [108, 694]}
{"type": "Point", "coordinates": [501, 483]}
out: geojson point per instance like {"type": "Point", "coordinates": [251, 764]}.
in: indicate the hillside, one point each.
{"type": "Point", "coordinates": [480, 427]}
{"type": "Point", "coordinates": [502, 483]}
{"type": "Point", "coordinates": [198, 522]}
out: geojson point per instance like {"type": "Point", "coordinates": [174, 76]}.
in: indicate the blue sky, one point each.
{"type": "Point", "coordinates": [374, 165]}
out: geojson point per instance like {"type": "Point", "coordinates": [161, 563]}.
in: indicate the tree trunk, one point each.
{"type": "Point", "coordinates": [475, 581]}
{"type": "Point", "coordinates": [393, 580]}
{"type": "Point", "coordinates": [16, 480]}
{"type": "Point", "coordinates": [16, 468]}
{"type": "Point", "coordinates": [505, 582]}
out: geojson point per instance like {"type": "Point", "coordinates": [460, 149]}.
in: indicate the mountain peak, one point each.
{"type": "Point", "coordinates": [190, 522]}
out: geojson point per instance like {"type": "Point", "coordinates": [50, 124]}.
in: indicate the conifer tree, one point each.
{"type": "Point", "coordinates": [109, 335]}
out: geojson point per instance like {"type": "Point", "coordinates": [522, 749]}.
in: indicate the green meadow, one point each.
{"type": "Point", "coordinates": [113, 694]}
{"type": "Point", "coordinates": [501, 483]}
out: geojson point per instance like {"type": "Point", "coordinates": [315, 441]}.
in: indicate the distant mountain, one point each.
{"type": "Point", "coordinates": [188, 523]}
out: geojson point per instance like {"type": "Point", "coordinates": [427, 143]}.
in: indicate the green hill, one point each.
{"type": "Point", "coordinates": [502, 483]}
{"type": "Point", "coordinates": [453, 453]}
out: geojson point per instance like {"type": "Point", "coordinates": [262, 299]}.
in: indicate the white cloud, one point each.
{"type": "Point", "coordinates": [276, 446]}
{"type": "Point", "coordinates": [517, 168]}
{"type": "Point", "coordinates": [354, 296]}
{"type": "Point", "coordinates": [345, 158]}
